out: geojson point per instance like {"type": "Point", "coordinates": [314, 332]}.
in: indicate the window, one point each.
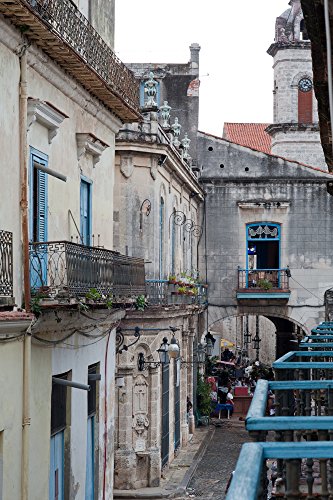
{"type": "Point", "coordinates": [161, 243]}
{"type": "Point", "coordinates": [59, 423]}
{"type": "Point", "coordinates": [173, 244]}
{"type": "Point", "coordinates": [263, 246]}
{"type": "Point", "coordinates": [85, 211]}
{"type": "Point", "coordinates": [90, 455]}
{"type": "Point", "coordinates": [38, 197]}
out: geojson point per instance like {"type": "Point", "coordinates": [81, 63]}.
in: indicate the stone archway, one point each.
{"type": "Point", "coordinates": [286, 329]}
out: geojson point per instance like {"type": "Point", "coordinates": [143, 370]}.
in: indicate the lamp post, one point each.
{"type": "Point", "coordinates": [256, 339]}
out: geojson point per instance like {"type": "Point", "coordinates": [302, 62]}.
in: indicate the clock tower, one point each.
{"type": "Point", "coordinates": [295, 130]}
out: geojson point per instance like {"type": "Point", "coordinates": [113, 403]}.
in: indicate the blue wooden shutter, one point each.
{"type": "Point", "coordinates": [42, 206]}
{"type": "Point", "coordinates": [85, 212]}
{"type": "Point", "coordinates": [90, 460]}
{"type": "Point", "coordinates": [57, 467]}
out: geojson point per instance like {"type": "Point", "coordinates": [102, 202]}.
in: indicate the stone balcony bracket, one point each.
{"type": "Point", "coordinates": [90, 144]}
{"type": "Point", "coordinates": [45, 114]}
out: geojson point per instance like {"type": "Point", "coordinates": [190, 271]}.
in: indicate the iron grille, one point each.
{"type": "Point", "coordinates": [6, 264]}
{"type": "Point", "coordinates": [256, 279]}
{"type": "Point", "coordinates": [64, 33]}
{"type": "Point", "coordinates": [71, 269]}
{"type": "Point", "coordinates": [165, 414]}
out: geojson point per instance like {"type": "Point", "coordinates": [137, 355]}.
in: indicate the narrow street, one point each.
{"type": "Point", "coordinates": [211, 476]}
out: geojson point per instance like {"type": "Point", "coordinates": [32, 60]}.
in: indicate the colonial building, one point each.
{"type": "Point", "coordinates": [64, 96]}
{"type": "Point", "coordinates": [269, 230]}
{"type": "Point", "coordinates": [156, 217]}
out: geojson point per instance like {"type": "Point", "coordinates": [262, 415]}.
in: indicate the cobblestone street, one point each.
{"type": "Point", "coordinates": [211, 476]}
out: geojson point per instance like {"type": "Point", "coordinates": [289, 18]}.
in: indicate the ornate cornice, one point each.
{"type": "Point", "coordinates": [45, 114]}
{"type": "Point", "coordinates": [88, 143]}
{"type": "Point", "coordinates": [299, 45]}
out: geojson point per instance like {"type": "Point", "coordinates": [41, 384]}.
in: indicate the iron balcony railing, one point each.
{"type": "Point", "coordinates": [163, 293]}
{"type": "Point", "coordinates": [263, 279]}
{"type": "Point", "coordinates": [63, 32]}
{"type": "Point", "coordinates": [62, 268]}
{"type": "Point", "coordinates": [6, 264]}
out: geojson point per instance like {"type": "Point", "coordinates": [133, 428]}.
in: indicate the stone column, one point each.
{"type": "Point", "coordinates": [183, 390]}
{"type": "Point", "coordinates": [125, 459]}
{"type": "Point", "coordinates": [154, 473]}
{"type": "Point", "coordinates": [191, 421]}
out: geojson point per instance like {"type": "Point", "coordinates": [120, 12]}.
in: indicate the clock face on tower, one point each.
{"type": "Point", "coordinates": [305, 84]}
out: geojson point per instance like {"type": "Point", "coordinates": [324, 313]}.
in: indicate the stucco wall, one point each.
{"type": "Point", "coordinates": [306, 226]}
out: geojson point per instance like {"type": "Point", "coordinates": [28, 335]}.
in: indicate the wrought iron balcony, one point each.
{"type": "Point", "coordinates": [263, 284]}
{"type": "Point", "coordinates": [163, 293]}
{"type": "Point", "coordinates": [62, 31]}
{"type": "Point", "coordinates": [62, 269]}
{"type": "Point", "coordinates": [6, 268]}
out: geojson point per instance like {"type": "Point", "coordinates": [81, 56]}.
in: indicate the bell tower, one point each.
{"type": "Point", "coordinates": [295, 130]}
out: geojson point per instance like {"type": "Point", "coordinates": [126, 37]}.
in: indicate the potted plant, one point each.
{"type": "Point", "coordinates": [172, 279]}
{"type": "Point", "coordinates": [265, 284]}
{"type": "Point", "coordinates": [181, 290]}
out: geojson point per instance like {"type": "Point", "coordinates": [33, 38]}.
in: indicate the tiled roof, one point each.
{"type": "Point", "coordinates": [251, 135]}
{"type": "Point", "coordinates": [269, 154]}
{"type": "Point", "coordinates": [15, 316]}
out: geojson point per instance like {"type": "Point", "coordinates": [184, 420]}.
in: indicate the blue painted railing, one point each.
{"type": "Point", "coordinates": [303, 400]}
{"type": "Point", "coordinates": [303, 418]}
{"type": "Point", "coordinates": [255, 279]}
{"type": "Point", "coordinates": [249, 479]}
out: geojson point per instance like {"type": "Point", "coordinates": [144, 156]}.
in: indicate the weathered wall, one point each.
{"type": "Point", "coordinates": [306, 226]}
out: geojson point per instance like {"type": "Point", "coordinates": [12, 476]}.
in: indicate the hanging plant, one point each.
{"type": "Point", "coordinates": [140, 303]}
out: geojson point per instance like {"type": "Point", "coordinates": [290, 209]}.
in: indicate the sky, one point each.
{"type": "Point", "coordinates": [236, 75]}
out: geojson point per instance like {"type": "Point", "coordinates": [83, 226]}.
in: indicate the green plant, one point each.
{"type": "Point", "coordinates": [204, 396]}
{"type": "Point", "coordinates": [82, 306]}
{"type": "Point", "coordinates": [35, 305]}
{"type": "Point", "coordinates": [93, 294]}
{"type": "Point", "coordinates": [109, 302]}
{"type": "Point", "coordinates": [141, 303]}
{"type": "Point", "coordinates": [172, 278]}
{"type": "Point", "coordinates": [265, 284]}
{"type": "Point", "coordinates": [182, 290]}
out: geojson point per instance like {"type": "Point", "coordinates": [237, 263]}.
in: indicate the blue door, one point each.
{"type": "Point", "coordinates": [90, 461]}
{"type": "Point", "coordinates": [57, 458]}
{"type": "Point", "coordinates": [85, 212]}
{"type": "Point", "coordinates": [38, 211]}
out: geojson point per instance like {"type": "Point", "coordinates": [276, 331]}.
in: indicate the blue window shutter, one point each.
{"type": "Point", "coordinates": [42, 206]}
{"type": "Point", "coordinates": [85, 211]}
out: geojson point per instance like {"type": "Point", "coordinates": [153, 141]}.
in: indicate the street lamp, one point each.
{"type": "Point", "coordinates": [163, 355]}
{"type": "Point", "coordinates": [256, 339]}
{"type": "Point", "coordinates": [200, 354]}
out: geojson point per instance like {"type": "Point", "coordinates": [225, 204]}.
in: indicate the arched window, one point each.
{"type": "Point", "coordinates": [305, 100]}
{"type": "Point", "coordinates": [161, 243]}
{"type": "Point", "coordinates": [303, 34]}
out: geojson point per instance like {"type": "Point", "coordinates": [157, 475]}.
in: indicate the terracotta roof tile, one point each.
{"type": "Point", "coordinates": [251, 135]}
{"type": "Point", "coordinates": [15, 316]}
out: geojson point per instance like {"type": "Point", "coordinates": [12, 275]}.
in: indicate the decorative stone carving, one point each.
{"type": "Point", "coordinates": [150, 88]}
{"type": "Point", "coordinates": [140, 424]}
{"type": "Point", "coordinates": [126, 166]}
{"type": "Point", "coordinates": [186, 146]}
{"type": "Point", "coordinates": [89, 144]}
{"type": "Point", "coordinates": [175, 127]}
{"type": "Point", "coordinates": [140, 395]}
{"type": "Point", "coordinates": [165, 114]}
{"type": "Point", "coordinates": [45, 114]}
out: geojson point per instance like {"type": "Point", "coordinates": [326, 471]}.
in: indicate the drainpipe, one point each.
{"type": "Point", "coordinates": [26, 281]}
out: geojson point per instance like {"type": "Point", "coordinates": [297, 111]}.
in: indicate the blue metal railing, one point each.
{"type": "Point", "coordinates": [249, 479]}
{"type": "Point", "coordinates": [263, 279]}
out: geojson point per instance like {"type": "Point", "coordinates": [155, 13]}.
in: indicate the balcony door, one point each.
{"type": "Point", "coordinates": [38, 218]}
{"type": "Point", "coordinates": [85, 211]}
{"type": "Point", "coordinates": [263, 246]}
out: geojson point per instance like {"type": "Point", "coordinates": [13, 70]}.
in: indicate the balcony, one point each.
{"type": "Point", "coordinates": [62, 32]}
{"type": "Point", "coordinates": [299, 464]}
{"type": "Point", "coordinates": [164, 293]}
{"type": "Point", "coordinates": [263, 286]}
{"type": "Point", "coordinates": [63, 271]}
{"type": "Point", "coordinates": [6, 269]}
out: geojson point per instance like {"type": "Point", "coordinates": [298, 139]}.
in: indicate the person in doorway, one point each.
{"type": "Point", "coordinates": [189, 406]}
